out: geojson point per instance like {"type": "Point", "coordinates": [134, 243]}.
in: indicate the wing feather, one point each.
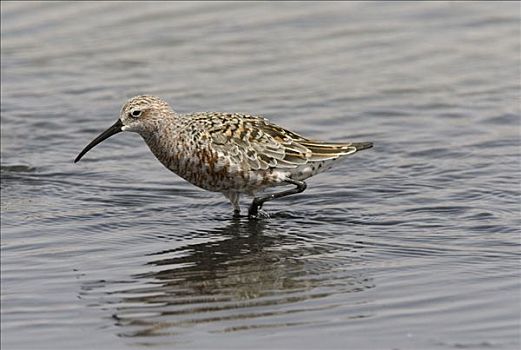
{"type": "Point", "coordinates": [256, 144]}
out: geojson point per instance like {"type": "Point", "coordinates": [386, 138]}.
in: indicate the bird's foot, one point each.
{"type": "Point", "coordinates": [259, 214]}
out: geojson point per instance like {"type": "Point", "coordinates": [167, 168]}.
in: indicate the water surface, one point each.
{"type": "Point", "coordinates": [412, 244]}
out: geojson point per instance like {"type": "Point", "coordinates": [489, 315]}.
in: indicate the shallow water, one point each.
{"type": "Point", "coordinates": [412, 244]}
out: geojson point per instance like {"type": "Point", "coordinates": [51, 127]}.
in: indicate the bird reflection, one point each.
{"type": "Point", "coordinates": [240, 266]}
{"type": "Point", "coordinates": [244, 272]}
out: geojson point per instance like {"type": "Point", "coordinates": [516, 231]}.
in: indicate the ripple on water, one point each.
{"type": "Point", "coordinates": [413, 244]}
{"type": "Point", "coordinates": [244, 275]}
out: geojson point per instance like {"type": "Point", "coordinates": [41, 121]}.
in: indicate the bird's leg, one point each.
{"type": "Point", "coordinates": [259, 201]}
{"type": "Point", "coordinates": [234, 199]}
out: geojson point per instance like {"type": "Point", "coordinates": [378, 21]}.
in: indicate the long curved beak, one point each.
{"type": "Point", "coordinates": [113, 130]}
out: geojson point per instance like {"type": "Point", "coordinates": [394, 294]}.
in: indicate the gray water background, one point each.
{"type": "Point", "coordinates": [413, 244]}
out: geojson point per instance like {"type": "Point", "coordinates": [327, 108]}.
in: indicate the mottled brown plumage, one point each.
{"type": "Point", "coordinates": [227, 152]}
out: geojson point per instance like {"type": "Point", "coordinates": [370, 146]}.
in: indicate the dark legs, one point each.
{"type": "Point", "coordinates": [259, 201]}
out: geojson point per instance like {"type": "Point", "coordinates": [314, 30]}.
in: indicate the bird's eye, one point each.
{"type": "Point", "coordinates": [135, 113]}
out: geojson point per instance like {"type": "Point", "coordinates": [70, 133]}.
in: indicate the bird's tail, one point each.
{"type": "Point", "coordinates": [362, 145]}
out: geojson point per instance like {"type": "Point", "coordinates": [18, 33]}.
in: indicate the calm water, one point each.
{"type": "Point", "coordinates": [413, 244]}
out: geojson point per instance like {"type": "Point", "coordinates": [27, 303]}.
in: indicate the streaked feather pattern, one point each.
{"type": "Point", "coordinates": [262, 145]}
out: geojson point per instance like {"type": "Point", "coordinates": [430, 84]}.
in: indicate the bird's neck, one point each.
{"type": "Point", "coordinates": [164, 141]}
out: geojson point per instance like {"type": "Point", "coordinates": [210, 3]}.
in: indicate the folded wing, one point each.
{"type": "Point", "coordinates": [256, 144]}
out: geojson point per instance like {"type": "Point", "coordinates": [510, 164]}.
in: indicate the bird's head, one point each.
{"type": "Point", "coordinates": [141, 114]}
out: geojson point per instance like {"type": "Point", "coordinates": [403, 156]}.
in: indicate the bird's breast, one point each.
{"type": "Point", "coordinates": [199, 164]}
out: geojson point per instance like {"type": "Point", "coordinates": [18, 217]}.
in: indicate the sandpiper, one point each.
{"type": "Point", "coordinates": [231, 153]}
